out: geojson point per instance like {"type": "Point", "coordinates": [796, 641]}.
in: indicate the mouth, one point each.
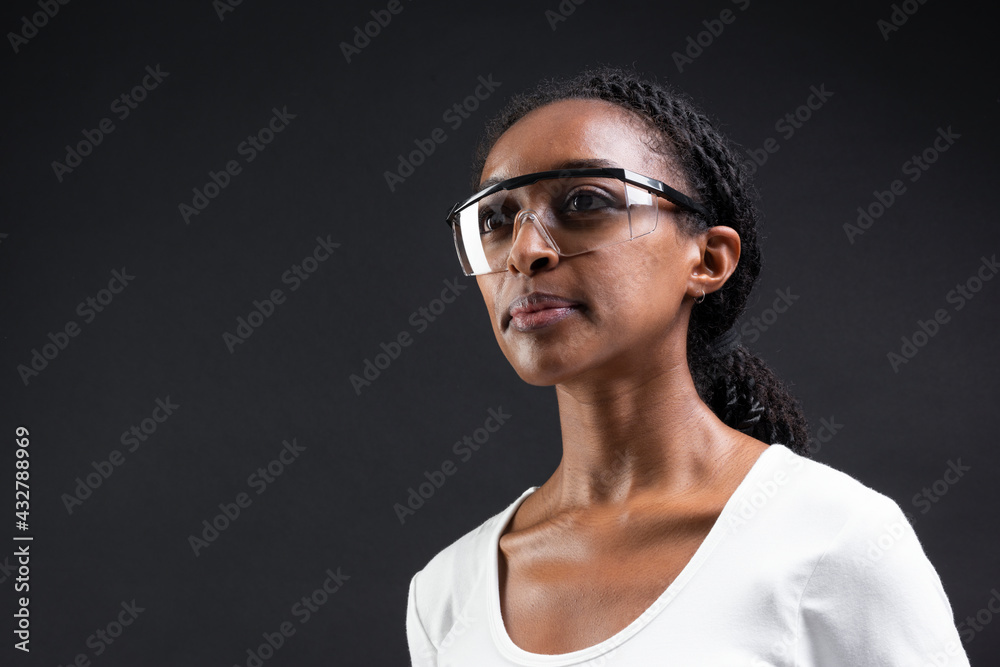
{"type": "Point", "coordinates": [538, 310]}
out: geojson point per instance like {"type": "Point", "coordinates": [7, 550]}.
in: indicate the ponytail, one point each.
{"type": "Point", "coordinates": [744, 392]}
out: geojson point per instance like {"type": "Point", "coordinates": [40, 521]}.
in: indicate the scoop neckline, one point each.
{"type": "Point", "coordinates": [719, 530]}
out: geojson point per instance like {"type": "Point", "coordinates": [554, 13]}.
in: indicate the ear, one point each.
{"type": "Point", "coordinates": [720, 253]}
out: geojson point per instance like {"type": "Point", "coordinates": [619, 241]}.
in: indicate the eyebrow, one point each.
{"type": "Point", "coordinates": [581, 163]}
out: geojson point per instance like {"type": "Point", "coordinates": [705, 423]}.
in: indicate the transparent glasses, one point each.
{"type": "Point", "coordinates": [575, 211]}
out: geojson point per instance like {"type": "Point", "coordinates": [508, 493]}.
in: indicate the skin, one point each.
{"type": "Point", "coordinates": [646, 466]}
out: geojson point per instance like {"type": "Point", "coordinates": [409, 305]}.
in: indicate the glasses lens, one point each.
{"type": "Point", "coordinates": [578, 214]}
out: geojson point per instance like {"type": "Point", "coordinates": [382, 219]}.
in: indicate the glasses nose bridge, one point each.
{"type": "Point", "coordinates": [525, 251]}
{"type": "Point", "coordinates": [532, 216]}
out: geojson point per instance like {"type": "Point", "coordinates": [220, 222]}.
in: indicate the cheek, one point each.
{"type": "Point", "coordinates": [489, 288]}
{"type": "Point", "coordinates": [641, 289]}
{"type": "Point", "coordinates": [628, 284]}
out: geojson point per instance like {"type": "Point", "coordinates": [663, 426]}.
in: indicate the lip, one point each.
{"type": "Point", "coordinates": [537, 310]}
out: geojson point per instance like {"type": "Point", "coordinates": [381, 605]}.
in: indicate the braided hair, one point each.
{"type": "Point", "coordinates": [737, 385]}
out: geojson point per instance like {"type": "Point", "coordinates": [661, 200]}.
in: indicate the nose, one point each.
{"type": "Point", "coordinates": [532, 249]}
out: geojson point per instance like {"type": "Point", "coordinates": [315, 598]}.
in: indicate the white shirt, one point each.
{"type": "Point", "coordinates": [805, 566]}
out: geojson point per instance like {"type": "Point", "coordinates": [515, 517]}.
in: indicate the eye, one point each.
{"type": "Point", "coordinates": [584, 202]}
{"type": "Point", "coordinates": [587, 201]}
{"type": "Point", "coordinates": [491, 221]}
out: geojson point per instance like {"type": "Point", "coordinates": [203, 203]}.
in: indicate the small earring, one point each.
{"type": "Point", "coordinates": [701, 298]}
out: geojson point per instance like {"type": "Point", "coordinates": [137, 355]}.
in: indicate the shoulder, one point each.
{"type": "Point", "coordinates": [810, 515]}
{"type": "Point", "coordinates": [794, 498]}
{"type": "Point", "coordinates": [865, 526]}
{"type": "Point", "coordinates": [444, 586]}
{"type": "Point", "coordinates": [870, 594]}
{"type": "Point", "coordinates": [827, 523]}
{"type": "Point", "coordinates": [828, 494]}
{"type": "Point", "coordinates": [862, 523]}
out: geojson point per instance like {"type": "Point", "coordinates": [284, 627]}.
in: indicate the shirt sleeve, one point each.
{"type": "Point", "coordinates": [422, 651]}
{"type": "Point", "coordinates": [875, 599]}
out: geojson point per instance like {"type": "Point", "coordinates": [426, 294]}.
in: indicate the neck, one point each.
{"type": "Point", "coordinates": [643, 432]}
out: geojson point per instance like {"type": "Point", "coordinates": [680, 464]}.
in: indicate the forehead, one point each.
{"type": "Point", "coordinates": [570, 130]}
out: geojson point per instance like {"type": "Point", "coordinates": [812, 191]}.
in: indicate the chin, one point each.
{"type": "Point", "coordinates": [552, 356]}
{"type": "Point", "coordinates": [541, 367]}
{"type": "Point", "coordinates": [537, 379]}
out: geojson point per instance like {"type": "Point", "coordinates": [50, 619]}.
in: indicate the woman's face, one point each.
{"type": "Point", "coordinates": [628, 313]}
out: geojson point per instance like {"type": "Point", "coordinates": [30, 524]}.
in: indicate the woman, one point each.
{"type": "Point", "coordinates": [614, 252]}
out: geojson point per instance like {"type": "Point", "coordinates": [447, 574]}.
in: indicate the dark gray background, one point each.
{"type": "Point", "coordinates": [324, 175]}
